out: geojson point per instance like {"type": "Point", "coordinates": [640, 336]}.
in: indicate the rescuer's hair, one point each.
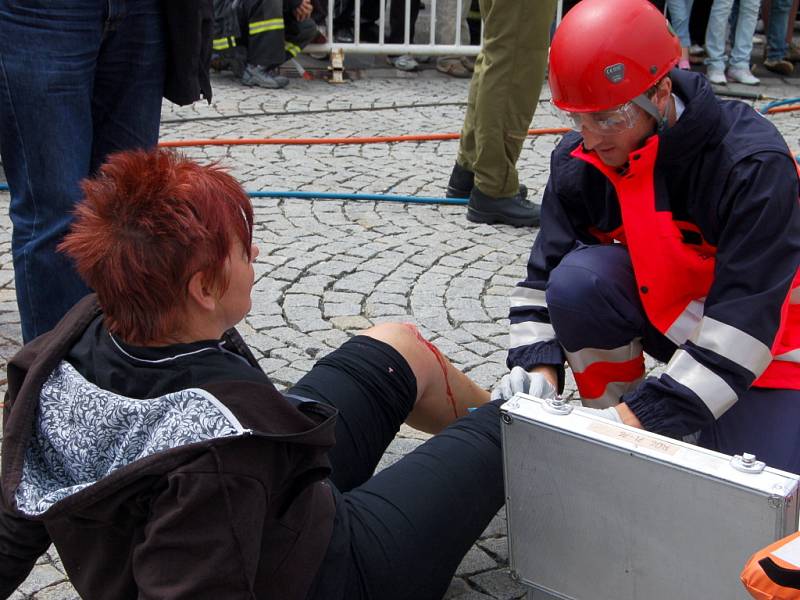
{"type": "Point", "coordinates": [148, 221]}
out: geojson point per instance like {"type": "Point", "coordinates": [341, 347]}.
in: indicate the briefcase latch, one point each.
{"type": "Point", "coordinates": [557, 406]}
{"type": "Point", "coordinates": [747, 463]}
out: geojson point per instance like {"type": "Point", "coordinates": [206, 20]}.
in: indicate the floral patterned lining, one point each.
{"type": "Point", "coordinates": [84, 433]}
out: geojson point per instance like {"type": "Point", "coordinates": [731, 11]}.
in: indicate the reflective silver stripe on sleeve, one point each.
{"type": "Point", "coordinates": [734, 344]}
{"type": "Point", "coordinates": [794, 296]}
{"type": "Point", "coordinates": [791, 356]}
{"type": "Point", "coordinates": [580, 360]}
{"type": "Point", "coordinates": [715, 393]}
{"type": "Point", "coordinates": [524, 296]}
{"type": "Point", "coordinates": [686, 323]}
{"type": "Point", "coordinates": [530, 332]}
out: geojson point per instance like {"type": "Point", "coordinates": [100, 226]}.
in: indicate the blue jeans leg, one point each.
{"type": "Point", "coordinates": [777, 47]}
{"type": "Point", "coordinates": [745, 27]}
{"type": "Point", "coordinates": [679, 13]}
{"type": "Point", "coordinates": [717, 33]}
{"type": "Point", "coordinates": [78, 79]}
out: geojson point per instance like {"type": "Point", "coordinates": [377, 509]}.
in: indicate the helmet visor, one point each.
{"type": "Point", "coordinates": [604, 122]}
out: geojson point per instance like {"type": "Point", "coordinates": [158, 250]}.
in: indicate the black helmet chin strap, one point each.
{"type": "Point", "coordinates": [662, 121]}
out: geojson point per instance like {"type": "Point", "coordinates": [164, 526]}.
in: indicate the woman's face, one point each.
{"type": "Point", "coordinates": [235, 303]}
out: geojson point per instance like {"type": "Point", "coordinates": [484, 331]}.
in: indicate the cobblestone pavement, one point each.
{"type": "Point", "coordinates": [328, 268]}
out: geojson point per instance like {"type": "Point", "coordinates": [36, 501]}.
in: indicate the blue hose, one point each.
{"type": "Point", "coordinates": [341, 196]}
{"type": "Point", "coordinates": [345, 196]}
{"type": "Point", "coordinates": [775, 103]}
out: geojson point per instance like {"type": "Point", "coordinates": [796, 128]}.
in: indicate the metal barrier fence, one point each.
{"type": "Point", "coordinates": [432, 48]}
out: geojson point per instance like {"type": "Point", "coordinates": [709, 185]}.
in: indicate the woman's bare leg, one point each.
{"type": "Point", "coordinates": [443, 392]}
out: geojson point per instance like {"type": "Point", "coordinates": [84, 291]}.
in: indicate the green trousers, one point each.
{"type": "Point", "coordinates": [505, 88]}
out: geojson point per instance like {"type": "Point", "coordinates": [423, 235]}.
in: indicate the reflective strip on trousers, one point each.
{"type": "Point", "coordinates": [734, 344]}
{"type": "Point", "coordinates": [223, 43]}
{"type": "Point", "coordinates": [525, 296]}
{"type": "Point", "coordinates": [291, 48]}
{"type": "Point", "coordinates": [530, 332]}
{"type": "Point", "coordinates": [687, 322]}
{"type": "Point", "coordinates": [604, 375]}
{"type": "Point", "coordinates": [257, 27]}
{"type": "Point", "coordinates": [714, 391]}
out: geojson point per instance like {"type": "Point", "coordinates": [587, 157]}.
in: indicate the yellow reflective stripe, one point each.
{"type": "Point", "coordinates": [267, 28]}
{"type": "Point", "coordinates": [292, 49]}
{"type": "Point", "coordinates": [266, 25]}
{"type": "Point", "coordinates": [223, 43]}
{"type": "Point", "coordinates": [266, 22]}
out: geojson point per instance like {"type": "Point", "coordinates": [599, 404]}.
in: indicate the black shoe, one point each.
{"type": "Point", "coordinates": [344, 35]}
{"type": "Point", "coordinates": [463, 180]}
{"type": "Point", "coordinates": [369, 32]}
{"type": "Point", "coordinates": [516, 210]}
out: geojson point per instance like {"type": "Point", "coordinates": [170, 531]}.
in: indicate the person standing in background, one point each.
{"type": "Point", "coordinates": [446, 27]}
{"type": "Point", "coordinates": [779, 17]}
{"type": "Point", "coordinates": [80, 79]}
{"type": "Point", "coordinates": [505, 87]}
{"type": "Point", "coordinates": [679, 13]}
{"type": "Point", "coordinates": [742, 44]}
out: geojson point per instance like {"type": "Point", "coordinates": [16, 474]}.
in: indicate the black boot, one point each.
{"type": "Point", "coordinates": [463, 180]}
{"type": "Point", "coordinates": [515, 210]}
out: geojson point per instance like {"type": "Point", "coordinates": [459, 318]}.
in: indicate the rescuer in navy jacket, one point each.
{"type": "Point", "coordinates": [670, 225]}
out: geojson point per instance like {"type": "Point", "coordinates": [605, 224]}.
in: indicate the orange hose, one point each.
{"type": "Point", "coordinates": [350, 140]}
{"type": "Point", "coordinates": [782, 109]}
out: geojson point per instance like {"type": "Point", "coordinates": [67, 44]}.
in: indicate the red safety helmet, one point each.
{"type": "Point", "coordinates": [608, 52]}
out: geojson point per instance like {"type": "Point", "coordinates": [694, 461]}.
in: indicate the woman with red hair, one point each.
{"type": "Point", "coordinates": [142, 438]}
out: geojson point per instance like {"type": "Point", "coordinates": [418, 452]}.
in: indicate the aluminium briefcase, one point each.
{"type": "Point", "coordinates": [602, 511]}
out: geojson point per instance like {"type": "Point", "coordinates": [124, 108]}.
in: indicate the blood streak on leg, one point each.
{"type": "Point", "coordinates": [442, 364]}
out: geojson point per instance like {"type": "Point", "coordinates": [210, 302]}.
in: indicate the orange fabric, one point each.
{"type": "Point", "coordinates": [780, 373]}
{"type": "Point", "coordinates": [758, 583]}
{"type": "Point", "coordinates": [609, 237]}
{"type": "Point", "coordinates": [670, 273]}
{"type": "Point", "coordinates": [593, 381]}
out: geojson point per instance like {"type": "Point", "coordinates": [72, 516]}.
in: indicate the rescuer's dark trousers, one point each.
{"type": "Point", "coordinates": [593, 302]}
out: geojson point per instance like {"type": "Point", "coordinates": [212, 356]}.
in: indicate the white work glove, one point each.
{"type": "Point", "coordinates": [519, 380]}
{"type": "Point", "coordinates": [609, 413]}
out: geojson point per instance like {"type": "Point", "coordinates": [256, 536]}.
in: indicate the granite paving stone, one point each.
{"type": "Point", "coordinates": [330, 268]}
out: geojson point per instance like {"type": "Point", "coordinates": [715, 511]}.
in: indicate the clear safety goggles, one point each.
{"type": "Point", "coordinates": [604, 122]}
{"type": "Point", "coordinates": [616, 120]}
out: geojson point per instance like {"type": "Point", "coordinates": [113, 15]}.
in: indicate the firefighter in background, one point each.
{"type": "Point", "coordinates": [254, 37]}
{"type": "Point", "coordinates": [774, 572]}
{"type": "Point", "coordinates": [670, 224]}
